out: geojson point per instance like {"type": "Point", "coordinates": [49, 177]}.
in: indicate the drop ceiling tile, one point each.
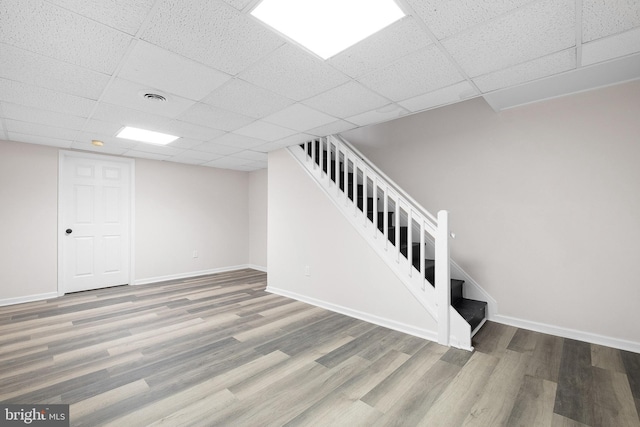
{"type": "Point", "coordinates": [253, 166]}
{"type": "Point", "coordinates": [603, 18]}
{"type": "Point", "coordinates": [105, 149]}
{"type": "Point", "coordinates": [165, 150]}
{"type": "Point", "coordinates": [123, 116]}
{"type": "Point", "coordinates": [185, 143]}
{"type": "Point", "coordinates": [227, 162]}
{"type": "Point", "coordinates": [206, 115]}
{"type": "Point", "coordinates": [383, 114]}
{"type": "Point", "coordinates": [445, 17]}
{"type": "Point", "coordinates": [186, 160]}
{"type": "Point", "coordinates": [198, 157]}
{"type": "Point", "coordinates": [244, 98]}
{"type": "Point", "coordinates": [536, 69]}
{"type": "Point", "coordinates": [189, 130]}
{"type": "Point", "coordinates": [37, 70]}
{"type": "Point", "coordinates": [15, 126]}
{"type": "Point", "coordinates": [131, 95]}
{"type": "Point", "coordinates": [125, 16]}
{"type": "Point", "coordinates": [347, 100]}
{"type": "Point", "coordinates": [239, 141]}
{"type": "Point", "coordinates": [299, 117]}
{"type": "Point", "coordinates": [110, 141]}
{"type": "Point", "coordinates": [210, 32]}
{"type": "Point", "coordinates": [44, 117]}
{"type": "Point", "coordinates": [265, 131]}
{"type": "Point", "coordinates": [99, 127]}
{"type": "Point", "coordinates": [422, 71]}
{"type": "Point", "coordinates": [45, 99]}
{"type": "Point", "coordinates": [611, 47]}
{"type": "Point", "coordinates": [52, 31]}
{"type": "Point", "coordinates": [221, 150]}
{"type": "Point", "coordinates": [238, 4]}
{"type": "Point", "coordinates": [3, 134]}
{"type": "Point", "coordinates": [447, 95]}
{"type": "Point", "coordinates": [153, 66]}
{"type": "Point", "coordinates": [144, 155]}
{"type": "Point", "coordinates": [294, 73]}
{"type": "Point", "coordinates": [252, 155]}
{"type": "Point", "coordinates": [536, 30]}
{"type": "Point", "coordinates": [332, 128]}
{"type": "Point", "coordinates": [40, 140]}
{"type": "Point", "coordinates": [382, 48]}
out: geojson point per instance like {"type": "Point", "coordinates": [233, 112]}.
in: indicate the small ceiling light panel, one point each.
{"type": "Point", "coordinates": [327, 27]}
{"type": "Point", "coordinates": [147, 136]}
{"type": "Point", "coordinates": [97, 143]}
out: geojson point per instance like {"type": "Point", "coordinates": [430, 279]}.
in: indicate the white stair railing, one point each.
{"type": "Point", "coordinates": [355, 185]}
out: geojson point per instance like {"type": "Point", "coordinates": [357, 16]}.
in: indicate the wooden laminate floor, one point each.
{"type": "Point", "coordinates": [219, 350]}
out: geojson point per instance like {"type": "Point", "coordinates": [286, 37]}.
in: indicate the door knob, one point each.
{"type": "Point", "coordinates": [68, 231]}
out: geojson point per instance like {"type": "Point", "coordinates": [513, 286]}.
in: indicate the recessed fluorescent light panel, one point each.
{"type": "Point", "coordinates": [147, 136]}
{"type": "Point", "coordinates": [327, 27]}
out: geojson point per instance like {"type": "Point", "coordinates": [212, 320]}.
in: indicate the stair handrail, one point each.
{"type": "Point", "coordinates": [389, 181]}
{"type": "Point", "coordinates": [438, 227]}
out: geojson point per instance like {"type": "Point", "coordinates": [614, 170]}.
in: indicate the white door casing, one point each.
{"type": "Point", "coordinates": [95, 221]}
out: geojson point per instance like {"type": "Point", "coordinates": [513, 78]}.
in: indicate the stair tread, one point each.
{"type": "Point", "coordinates": [473, 311]}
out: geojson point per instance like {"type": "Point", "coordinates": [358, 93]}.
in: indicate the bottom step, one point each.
{"type": "Point", "coordinates": [474, 312]}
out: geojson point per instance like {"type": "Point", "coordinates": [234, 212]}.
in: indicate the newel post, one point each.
{"type": "Point", "coordinates": [442, 277]}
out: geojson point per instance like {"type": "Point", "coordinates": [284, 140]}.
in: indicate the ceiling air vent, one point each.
{"type": "Point", "coordinates": [154, 97]}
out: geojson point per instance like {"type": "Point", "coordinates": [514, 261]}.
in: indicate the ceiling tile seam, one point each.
{"type": "Point", "coordinates": [439, 45]}
{"type": "Point", "coordinates": [488, 21]}
{"type": "Point", "coordinates": [579, 8]}
{"type": "Point", "coordinates": [522, 63]}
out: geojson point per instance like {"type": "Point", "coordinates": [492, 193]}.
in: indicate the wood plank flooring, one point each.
{"type": "Point", "coordinates": [220, 350]}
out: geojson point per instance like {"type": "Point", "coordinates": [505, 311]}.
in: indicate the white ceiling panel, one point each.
{"type": "Point", "coordinates": [206, 115]}
{"type": "Point", "coordinates": [611, 47]}
{"type": "Point", "coordinates": [383, 114]}
{"type": "Point", "coordinates": [110, 141]}
{"type": "Point", "coordinates": [253, 166]}
{"type": "Point", "coordinates": [190, 130]}
{"type": "Point", "coordinates": [299, 117]}
{"type": "Point", "coordinates": [227, 162]}
{"type": "Point", "coordinates": [263, 130]}
{"type": "Point", "coordinates": [131, 95]}
{"type": "Point", "coordinates": [52, 31]}
{"type": "Point", "coordinates": [195, 157]}
{"type": "Point", "coordinates": [100, 127]}
{"type": "Point", "coordinates": [44, 117]}
{"type": "Point", "coordinates": [541, 67]}
{"type": "Point", "coordinates": [3, 134]}
{"type": "Point", "coordinates": [26, 128]}
{"type": "Point", "coordinates": [152, 66]}
{"type": "Point", "coordinates": [238, 4]}
{"type": "Point", "coordinates": [36, 97]}
{"type": "Point", "coordinates": [602, 18]}
{"type": "Point", "coordinates": [296, 139]}
{"type": "Point", "coordinates": [220, 150]}
{"type": "Point", "coordinates": [248, 99]}
{"type": "Point", "coordinates": [445, 17]}
{"type": "Point", "coordinates": [185, 143]}
{"type": "Point", "coordinates": [40, 140]}
{"type": "Point", "coordinates": [34, 69]}
{"type": "Point", "coordinates": [145, 155]}
{"type": "Point", "coordinates": [252, 155]}
{"type": "Point", "coordinates": [533, 31]}
{"type": "Point", "coordinates": [238, 141]}
{"type": "Point", "coordinates": [447, 95]}
{"type": "Point", "coordinates": [125, 16]}
{"type": "Point", "coordinates": [210, 32]}
{"type": "Point", "coordinates": [353, 99]}
{"type": "Point", "coordinates": [294, 73]}
{"type": "Point", "coordinates": [384, 47]}
{"type": "Point", "coordinates": [420, 72]}
{"type": "Point", "coordinates": [332, 128]}
{"type": "Point", "coordinates": [127, 116]}
{"type": "Point", "coordinates": [106, 149]}
{"type": "Point", "coordinates": [165, 150]}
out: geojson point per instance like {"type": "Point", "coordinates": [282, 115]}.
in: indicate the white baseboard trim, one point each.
{"type": "Point", "coordinates": [568, 333]}
{"type": "Point", "coordinates": [190, 274]}
{"type": "Point", "coordinates": [28, 298]}
{"type": "Point", "coordinates": [367, 317]}
{"type": "Point", "coordinates": [257, 267]}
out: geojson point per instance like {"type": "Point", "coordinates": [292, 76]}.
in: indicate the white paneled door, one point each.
{"type": "Point", "coordinates": [94, 235]}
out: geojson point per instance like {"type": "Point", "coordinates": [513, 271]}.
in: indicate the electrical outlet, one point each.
{"type": "Point", "coordinates": [195, 254]}
{"type": "Point", "coordinates": [307, 270]}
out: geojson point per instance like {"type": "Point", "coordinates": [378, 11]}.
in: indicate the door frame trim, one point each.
{"type": "Point", "coordinates": [64, 154]}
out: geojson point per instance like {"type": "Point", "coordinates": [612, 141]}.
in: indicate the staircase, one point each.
{"type": "Point", "coordinates": [400, 230]}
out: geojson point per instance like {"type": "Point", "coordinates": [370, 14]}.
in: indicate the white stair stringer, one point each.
{"type": "Point", "coordinates": [459, 331]}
